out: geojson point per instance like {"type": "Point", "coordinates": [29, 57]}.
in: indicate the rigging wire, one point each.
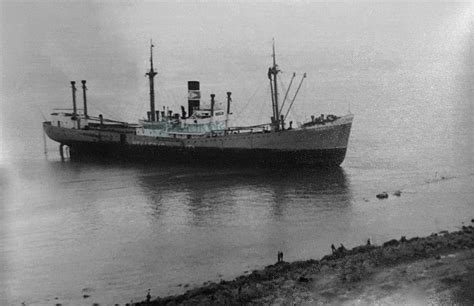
{"type": "Point", "coordinates": [261, 114]}
{"type": "Point", "coordinates": [237, 114]}
{"type": "Point", "coordinates": [283, 87]}
{"type": "Point", "coordinates": [294, 110]}
{"type": "Point", "coordinates": [107, 114]}
{"type": "Point", "coordinates": [296, 93]}
{"type": "Point", "coordinates": [287, 91]}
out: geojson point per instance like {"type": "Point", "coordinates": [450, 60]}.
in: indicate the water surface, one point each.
{"type": "Point", "coordinates": [113, 230]}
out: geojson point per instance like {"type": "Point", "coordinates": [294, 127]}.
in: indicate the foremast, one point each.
{"type": "Point", "coordinates": [151, 74]}
{"type": "Point", "coordinates": [272, 76]}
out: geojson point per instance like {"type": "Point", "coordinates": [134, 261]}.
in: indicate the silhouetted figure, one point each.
{"type": "Point", "coordinates": [368, 242]}
{"type": "Point", "coordinates": [279, 256]}
{"type": "Point", "coordinates": [333, 248]}
{"type": "Point", "coordinates": [342, 249]}
{"type": "Point", "coordinates": [148, 296]}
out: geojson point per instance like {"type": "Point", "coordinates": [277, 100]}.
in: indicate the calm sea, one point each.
{"type": "Point", "coordinates": [112, 231]}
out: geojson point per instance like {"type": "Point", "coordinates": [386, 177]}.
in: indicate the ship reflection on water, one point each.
{"type": "Point", "coordinates": [207, 195]}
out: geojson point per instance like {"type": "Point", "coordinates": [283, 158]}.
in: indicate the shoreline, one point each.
{"type": "Point", "coordinates": [435, 269]}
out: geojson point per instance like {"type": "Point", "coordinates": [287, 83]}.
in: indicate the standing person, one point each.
{"type": "Point", "coordinates": [148, 296]}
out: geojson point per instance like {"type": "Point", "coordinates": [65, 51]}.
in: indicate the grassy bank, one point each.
{"type": "Point", "coordinates": [436, 269]}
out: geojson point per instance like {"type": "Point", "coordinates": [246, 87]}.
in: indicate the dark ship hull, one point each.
{"type": "Point", "coordinates": [322, 146]}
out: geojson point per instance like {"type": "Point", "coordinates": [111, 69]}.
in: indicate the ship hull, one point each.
{"type": "Point", "coordinates": [322, 146]}
{"type": "Point", "coordinates": [106, 152]}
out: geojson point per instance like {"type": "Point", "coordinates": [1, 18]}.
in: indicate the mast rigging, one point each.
{"type": "Point", "coordinates": [151, 74]}
{"type": "Point", "coordinates": [272, 75]}
{"type": "Point", "coordinates": [287, 91]}
{"type": "Point", "coordinates": [296, 93]}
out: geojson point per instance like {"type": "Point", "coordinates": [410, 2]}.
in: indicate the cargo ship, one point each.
{"type": "Point", "coordinates": [202, 134]}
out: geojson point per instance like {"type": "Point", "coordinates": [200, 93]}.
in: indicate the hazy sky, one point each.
{"type": "Point", "coordinates": [226, 46]}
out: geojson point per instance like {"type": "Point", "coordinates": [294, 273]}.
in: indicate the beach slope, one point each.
{"type": "Point", "coordinates": [438, 269]}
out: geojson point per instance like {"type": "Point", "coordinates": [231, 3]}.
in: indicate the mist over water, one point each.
{"type": "Point", "coordinates": [112, 230]}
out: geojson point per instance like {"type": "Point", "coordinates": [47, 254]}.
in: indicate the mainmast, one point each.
{"type": "Point", "coordinates": [272, 75]}
{"type": "Point", "coordinates": [151, 74]}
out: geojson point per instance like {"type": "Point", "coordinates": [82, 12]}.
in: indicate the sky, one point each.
{"type": "Point", "coordinates": [226, 46]}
